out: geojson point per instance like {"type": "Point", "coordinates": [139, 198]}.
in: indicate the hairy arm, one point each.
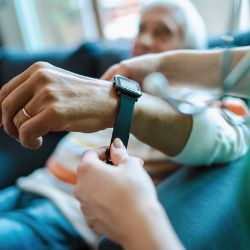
{"type": "Point", "coordinates": [201, 68]}
{"type": "Point", "coordinates": [156, 123]}
{"type": "Point", "coordinates": [183, 67]}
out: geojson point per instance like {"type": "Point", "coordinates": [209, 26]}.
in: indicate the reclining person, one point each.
{"type": "Point", "coordinates": [51, 204]}
{"type": "Point", "coordinates": [144, 224]}
{"type": "Point", "coordinates": [65, 106]}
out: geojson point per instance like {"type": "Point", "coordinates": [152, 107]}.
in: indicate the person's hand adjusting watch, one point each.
{"type": "Point", "coordinates": [128, 91]}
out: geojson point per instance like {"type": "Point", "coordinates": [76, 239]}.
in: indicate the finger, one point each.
{"type": "Point", "coordinates": [20, 118]}
{"type": "Point", "coordinates": [31, 131]}
{"type": "Point", "coordinates": [95, 154]}
{"type": "Point", "coordinates": [118, 152]}
{"type": "Point", "coordinates": [14, 102]}
{"type": "Point", "coordinates": [32, 108]}
{"type": "Point", "coordinates": [141, 162]}
{"type": "Point", "coordinates": [17, 81]}
{"type": "Point", "coordinates": [92, 159]}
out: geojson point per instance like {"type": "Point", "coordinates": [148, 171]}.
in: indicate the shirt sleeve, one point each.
{"type": "Point", "coordinates": [213, 140]}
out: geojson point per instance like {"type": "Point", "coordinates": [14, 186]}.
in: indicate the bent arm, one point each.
{"type": "Point", "coordinates": [201, 68]}
{"type": "Point", "coordinates": [203, 139]}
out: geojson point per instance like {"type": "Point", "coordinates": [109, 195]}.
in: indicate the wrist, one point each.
{"type": "Point", "coordinates": [139, 222]}
{"type": "Point", "coordinates": [149, 228]}
{"type": "Point", "coordinates": [112, 100]}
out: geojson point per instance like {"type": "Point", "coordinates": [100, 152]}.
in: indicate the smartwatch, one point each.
{"type": "Point", "coordinates": [128, 91]}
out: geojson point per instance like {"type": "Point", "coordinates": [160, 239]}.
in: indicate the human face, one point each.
{"type": "Point", "coordinates": [160, 29]}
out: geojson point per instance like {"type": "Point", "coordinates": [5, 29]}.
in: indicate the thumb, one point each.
{"type": "Point", "coordinates": [109, 74]}
{"type": "Point", "coordinates": [118, 152]}
{"type": "Point", "coordinates": [117, 69]}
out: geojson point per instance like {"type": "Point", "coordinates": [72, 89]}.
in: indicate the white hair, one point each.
{"type": "Point", "coordinates": [195, 35]}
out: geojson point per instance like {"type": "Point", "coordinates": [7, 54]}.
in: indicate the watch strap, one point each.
{"type": "Point", "coordinates": [125, 106]}
{"type": "Point", "coordinates": [122, 131]}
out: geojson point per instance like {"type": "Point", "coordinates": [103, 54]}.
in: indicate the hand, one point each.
{"type": "Point", "coordinates": [136, 68]}
{"type": "Point", "coordinates": [120, 201]}
{"type": "Point", "coordinates": [113, 195]}
{"type": "Point", "coordinates": [56, 100]}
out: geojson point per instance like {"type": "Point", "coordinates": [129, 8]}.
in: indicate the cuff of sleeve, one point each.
{"type": "Point", "coordinates": [213, 140]}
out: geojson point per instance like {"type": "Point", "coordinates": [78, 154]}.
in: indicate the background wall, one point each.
{"type": "Point", "coordinates": [47, 24]}
{"type": "Point", "coordinates": [9, 28]}
{"type": "Point", "coordinates": [217, 13]}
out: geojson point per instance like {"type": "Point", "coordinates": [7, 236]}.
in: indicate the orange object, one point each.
{"type": "Point", "coordinates": [61, 172]}
{"type": "Point", "coordinates": [236, 106]}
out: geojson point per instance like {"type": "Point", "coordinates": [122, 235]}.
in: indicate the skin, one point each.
{"type": "Point", "coordinates": [160, 29]}
{"type": "Point", "coordinates": [127, 185]}
{"type": "Point", "coordinates": [44, 90]}
{"type": "Point", "coordinates": [85, 105]}
{"type": "Point", "coordinates": [89, 105]}
{"type": "Point", "coordinates": [182, 67]}
{"type": "Point", "coordinates": [161, 25]}
{"type": "Point", "coordinates": [146, 227]}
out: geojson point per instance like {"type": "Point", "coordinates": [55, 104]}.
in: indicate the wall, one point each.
{"type": "Point", "coordinates": [9, 27]}
{"type": "Point", "coordinates": [217, 13]}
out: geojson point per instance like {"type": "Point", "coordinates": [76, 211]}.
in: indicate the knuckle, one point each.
{"type": "Point", "coordinates": [8, 128]}
{"type": "Point", "coordinates": [85, 165]}
{"type": "Point", "coordinates": [114, 67]}
{"type": "Point", "coordinates": [17, 122]}
{"type": "Point", "coordinates": [135, 161]}
{"type": "Point", "coordinates": [47, 93]}
{"type": "Point", "coordinates": [5, 106]}
{"type": "Point", "coordinates": [25, 135]}
{"type": "Point", "coordinates": [26, 142]}
{"type": "Point", "coordinates": [43, 75]}
{"type": "Point", "coordinates": [139, 160]}
{"type": "Point", "coordinates": [122, 65]}
{"type": "Point", "coordinates": [4, 90]}
{"type": "Point", "coordinates": [54, 110]}
{"type": "Point", "coordinates": [40, 65]}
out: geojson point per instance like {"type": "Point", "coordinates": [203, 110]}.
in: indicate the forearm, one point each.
{"type": "Point", "coordinates": [198, 68]}
{"type": "Point", "coordinates": [160, 126]}
{"type": "Point", "coordinates": [157, 124]}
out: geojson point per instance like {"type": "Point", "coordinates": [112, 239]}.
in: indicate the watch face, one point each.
{"type": "Point", "coordinates": [128, 86]}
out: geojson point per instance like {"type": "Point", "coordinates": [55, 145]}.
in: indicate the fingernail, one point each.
{"type": "Point", "coordinates": [117, 143]}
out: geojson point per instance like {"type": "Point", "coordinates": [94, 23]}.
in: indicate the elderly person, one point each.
{"type": "Point", "coordinates": [61, 106]}
{"type": "Point", "coordinates": [136, 219]}
{"type": "Point", "coordinates": [47, 214]}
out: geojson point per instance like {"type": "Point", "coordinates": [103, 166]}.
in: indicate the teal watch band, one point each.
{"type": "Point", "coordinates": [123, 119]}
{"type": "Point", "coordinates": [129, 92]}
